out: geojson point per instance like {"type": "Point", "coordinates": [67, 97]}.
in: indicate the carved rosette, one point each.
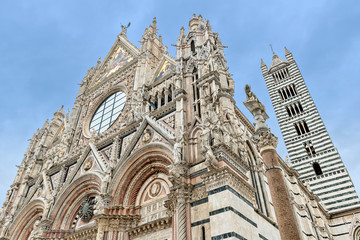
{"type": "Point", "coordinates": [265, 140]}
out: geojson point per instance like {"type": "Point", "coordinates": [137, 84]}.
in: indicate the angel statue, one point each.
{"type": "Point", "coordinates": [124, 28]}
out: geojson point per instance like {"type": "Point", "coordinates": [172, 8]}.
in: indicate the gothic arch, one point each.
{"type": "Point", "coordinates": [24, 222]}
{"type": "Point", "coordinates": [70, 199]}
{"type": "Point", "coordinates": [130, 175]}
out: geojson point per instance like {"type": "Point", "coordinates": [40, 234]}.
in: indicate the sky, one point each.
{"type": "Point", "coordinates": [47, 47]}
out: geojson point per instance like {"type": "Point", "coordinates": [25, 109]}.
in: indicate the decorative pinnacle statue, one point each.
{"type": "Point", "coordinates": [124, 29]}
{"type": "Point", "coordinates": [257, 109]}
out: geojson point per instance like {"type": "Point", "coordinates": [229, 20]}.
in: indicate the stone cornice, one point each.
{"type": "Point", "coordinates": [225, 176]}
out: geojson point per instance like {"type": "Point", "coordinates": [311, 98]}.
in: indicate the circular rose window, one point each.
{"type": "Point", "coordinates": [108, 111]}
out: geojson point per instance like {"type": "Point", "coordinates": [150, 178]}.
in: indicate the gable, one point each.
{"type": "Point", "coordinates": [121, 55]}
{"type": "Point", "coordinates": [166, 67]}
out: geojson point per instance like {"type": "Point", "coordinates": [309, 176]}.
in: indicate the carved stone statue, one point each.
{"type": "Point", "coordinates": [105, 182]}
{"type": "Point", "coordinates": [36, 232]}
{"type": "Point", "coordinates": [99, 205]}
{"type": "Point", "coordinates": [249, 94]}
{"type": "Point", "coordinates": [257, 109]}
{"type": "Point", "coordinates": [210, 159]}
{"type": "Point", "coordinates": [178, 151]}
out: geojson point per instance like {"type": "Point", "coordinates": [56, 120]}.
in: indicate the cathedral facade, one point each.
{"type": "Point", "coordinates": [155, 148]}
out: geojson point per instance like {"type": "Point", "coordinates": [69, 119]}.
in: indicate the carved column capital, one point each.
{"type": "Point", "coordinates": [265, 140]}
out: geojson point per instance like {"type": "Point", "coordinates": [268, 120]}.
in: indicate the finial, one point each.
{"type": "Point", "coordinates": [194, 15]}
{"type": "Point", "coordinates": [160, 38]}
{"type": "Point", "coordinates": [154, 21]}
{"type": "Point", "coordinates": [61, 109]}
{"type": "Point", "coordinates": [200, 17]}
{"type": "Point", "coordinates": [99, 61]}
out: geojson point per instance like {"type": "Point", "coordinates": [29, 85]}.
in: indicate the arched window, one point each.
{"type": "Point", "coordinates": [192, 46]}
{"type": "Point", "coordinates": [162, 98]}
{"type": "Point", "coordinates": [170, 94]}
{"type": "Point", "coordinates": [317, 168]}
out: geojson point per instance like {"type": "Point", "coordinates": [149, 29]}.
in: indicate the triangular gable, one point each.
{"type": "Point", "coordinates": [158, 127]}
{"type": "Point", "coordinates": [149, 135]}
{"type": "Point", "coordinates": [166, 67]}
{"type": "Point", "coordinates": [122, 53]}
{"type": "Point", "coordinates": [90, 164]}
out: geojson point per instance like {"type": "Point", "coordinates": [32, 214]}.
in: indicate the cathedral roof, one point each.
{"type": "Point", "coordinates": [277, 62]}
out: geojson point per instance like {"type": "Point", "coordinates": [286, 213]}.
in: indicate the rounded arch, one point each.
{"type": "Point", "coordinates": [356, 235]}
{"type": "Point", "coordinates": [25, 220]}
{"type": "Point", "coordinates": [130, 175]}
{"type": "Point", "coordinates": [94, 105]}
{"type": "Point", "coordinates": [70, 199]}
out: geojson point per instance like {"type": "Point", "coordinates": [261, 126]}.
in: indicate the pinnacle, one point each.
{"type": "Point", "coordinates": [287, 51]}
{"type": "Point", "coordinates": [262, 62]}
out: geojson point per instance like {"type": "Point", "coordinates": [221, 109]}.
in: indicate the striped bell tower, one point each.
{"type": "Point", "coordinates": [310, 148]}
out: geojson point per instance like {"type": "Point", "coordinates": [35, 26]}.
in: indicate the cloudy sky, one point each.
{"type": "Point", "coordinates": [47, 47]}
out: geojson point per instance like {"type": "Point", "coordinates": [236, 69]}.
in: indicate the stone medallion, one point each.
{"type": "Point", "coordinates": [155, 189]}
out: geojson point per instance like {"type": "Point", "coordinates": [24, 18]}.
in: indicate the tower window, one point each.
{"type": "Point", "coordinates": [281, 75]}
{"type": "Point", "coordinates": [317, 168]}
{"type": "Point", "coordinates": [288, 92]}
{"type": "Point", "coordinates": [310, 150]}
{"type": "Point", "coordinates": [294, 109]}
{"type": "Point", "coordinates": [301, 127]}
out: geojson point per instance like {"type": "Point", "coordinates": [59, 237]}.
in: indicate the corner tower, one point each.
{"type": "Point", "coordinates": [311, 151]}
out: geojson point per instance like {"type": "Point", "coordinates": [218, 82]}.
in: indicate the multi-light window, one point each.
{"type": "Point", "coordinates": [294, 109]}
{"type": "Point", "coordinates": [281, 74]}
{"type": "Point", "coordinates": [301, 127]}
{"type": "Point", "coordinates": [288, 92]}
{"type": "Point", "coordinates": [161, 98]}
{"type": "Point", "coordinates": [310, 150]}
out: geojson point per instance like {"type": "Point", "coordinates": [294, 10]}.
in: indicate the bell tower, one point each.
{"type": "Point", "coordinates": [311, 151]}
